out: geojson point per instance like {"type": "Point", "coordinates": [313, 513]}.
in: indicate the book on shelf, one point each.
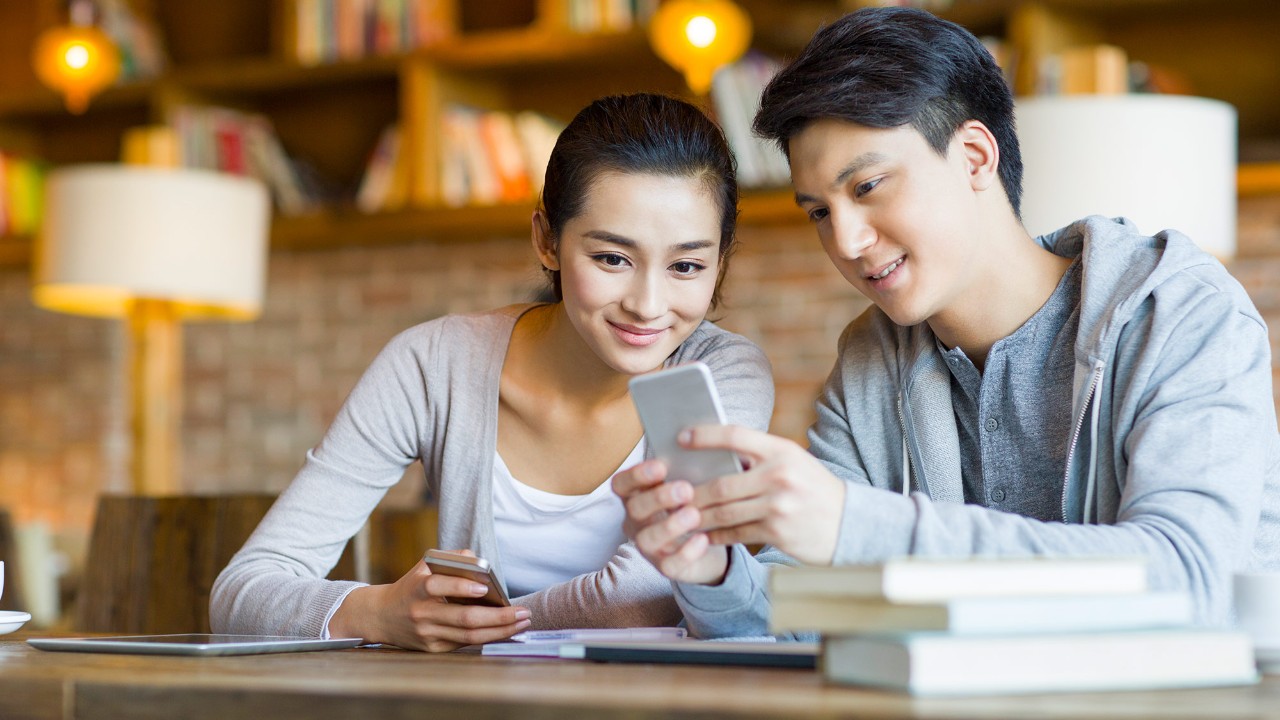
{"type": "Point", "coordinates": [592, 16]}
{"type": "Point", "coordinates": [936, 664]}
{"type": "Point", "coordinates": [735, 93]}
{"type": "Point", "coordinates": [981, 615]}
{"type": "Point", "coordinates": [922, 579]}
{"type": "Point", "coordinates": [21, 194]}
{"type": "Point", "coordinates": [239, 143]}
{"type": "Point", "coordinates": [385, 183]}
{"type": "Point", "coordinates": [322, 31]}
{"type": "Point", "coordinates": [490, 157]}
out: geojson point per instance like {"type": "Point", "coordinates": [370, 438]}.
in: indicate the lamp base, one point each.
{"type": "Point", "coordinates": [155, 382]}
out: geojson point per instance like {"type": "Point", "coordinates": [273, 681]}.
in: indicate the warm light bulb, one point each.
{"type": "Point", "coordinates": [76, 57]}
{"type": "Point", "coordinates": [701, 31]}
{"type": "Point", "coordinates": [77, 61]}
{"type": "Point", "coordinates": [698, 36]}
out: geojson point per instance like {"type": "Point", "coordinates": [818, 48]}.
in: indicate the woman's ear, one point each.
{"type": "Point", "coordinates": [980, 154]}
{"type": "Point", "coordinates": [543, 244]}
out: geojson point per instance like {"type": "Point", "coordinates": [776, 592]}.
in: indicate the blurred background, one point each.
{"type": "Point", "coordinates": [401, 144]}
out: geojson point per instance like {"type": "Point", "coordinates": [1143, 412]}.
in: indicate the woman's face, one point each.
{"type": "Point", "coordinates": [638, 266]}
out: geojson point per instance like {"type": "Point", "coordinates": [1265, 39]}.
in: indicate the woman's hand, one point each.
{"type": "Point", "coordinates": [412, 613]}
{"type": "Point", "coordinates": [663, 525]}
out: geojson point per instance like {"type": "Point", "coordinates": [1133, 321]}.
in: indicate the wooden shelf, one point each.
{"type": "Point", "coordinates": [335, 228]}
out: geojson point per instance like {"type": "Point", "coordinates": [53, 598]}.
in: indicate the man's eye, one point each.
{"type": "Point", "coordinates": [863, 188]}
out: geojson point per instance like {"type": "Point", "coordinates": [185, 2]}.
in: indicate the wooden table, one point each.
{"type": "Point", "coordinates": [388, 684]}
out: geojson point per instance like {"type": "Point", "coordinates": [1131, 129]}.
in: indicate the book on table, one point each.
{"type": "Point", "coordinates": [940, 664]}
{"type": "Point", "coordinates": [982, 615]}
{"type": "Point", "coordinates": [917, 579]}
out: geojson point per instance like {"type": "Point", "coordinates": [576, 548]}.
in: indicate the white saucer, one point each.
{"type": "Point", "coordinates": [1268, 657]}
{"type": "Point", "coordinates": [11, 620]}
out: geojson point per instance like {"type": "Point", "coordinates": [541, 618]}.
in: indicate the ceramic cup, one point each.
{"type": "Point", "coordinates": [1257, 605]}
{"type": "Point", "coordinates": [1, 578]}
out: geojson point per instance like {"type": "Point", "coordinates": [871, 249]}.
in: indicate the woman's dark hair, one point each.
{"type": "Point", "coordinates": [888, 67]}
{"type": "Point", "coordinates": [632, 134]}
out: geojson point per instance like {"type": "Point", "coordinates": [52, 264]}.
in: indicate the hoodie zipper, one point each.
{"type": "Point", "coordinates": [1075, 436]}
{"type": "Point", "coordinates": [906, 456]}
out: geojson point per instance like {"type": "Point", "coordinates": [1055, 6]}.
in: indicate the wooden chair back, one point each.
{"type": "Point", "coordinates": [152, 560]}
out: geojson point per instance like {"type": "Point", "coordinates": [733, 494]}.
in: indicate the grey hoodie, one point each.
{"type": "Point", "coordinates": [1174, 455]}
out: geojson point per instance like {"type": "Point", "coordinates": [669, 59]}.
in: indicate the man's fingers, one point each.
{"type": "Point", "coordinates": [745, 512]}
{"type": "Point", "coordinates": [752, 445]}
{"type": "Point", "coordinates": [645, 507]}
{"type": "Point", "coordinates": [638, 478]}
{"type": "Point", "coordinates": [662, 539]}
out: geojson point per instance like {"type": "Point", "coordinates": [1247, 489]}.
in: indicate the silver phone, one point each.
{"type": "Point", "coordinates": [671, 400]}
{"type": "Point", "coordinates": [475, 569]}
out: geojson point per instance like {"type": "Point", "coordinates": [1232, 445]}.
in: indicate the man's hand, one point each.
{"type": "Point", "coordinates": [785, 498]}
{"type": "Point", "coordinates": [663, 524]}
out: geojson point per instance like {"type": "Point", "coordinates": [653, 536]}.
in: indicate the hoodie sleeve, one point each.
{"type": "Point", "coordinates": [1183, 447]}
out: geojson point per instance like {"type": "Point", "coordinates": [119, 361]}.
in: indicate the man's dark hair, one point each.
{"type": "Point", "coordinates": [889, 67]}
{"type": "Point", "coordinates": [642, 133]}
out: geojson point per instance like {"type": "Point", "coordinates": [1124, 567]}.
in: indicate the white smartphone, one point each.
{"type": "Point", "coordinates": [671, 400]}
{"type": "Point", "coordinates": [475, 569]}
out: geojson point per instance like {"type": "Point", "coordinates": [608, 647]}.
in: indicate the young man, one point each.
{"type": "Point", "coordinates": [1094, 391]}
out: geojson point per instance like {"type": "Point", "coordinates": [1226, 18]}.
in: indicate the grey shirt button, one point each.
{"type": "Point", "coordinates": [992, 424]}
{"type": "Point", "coordinates": [997, 495]}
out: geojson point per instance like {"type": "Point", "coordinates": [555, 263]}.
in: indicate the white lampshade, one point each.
{"type": "Point", "coordinates": [1163, 161]}
{"type": "Point", "coordinates": [113, 233]}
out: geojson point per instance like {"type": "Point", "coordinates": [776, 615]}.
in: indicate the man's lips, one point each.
{"type": "Point", "coordinates": [635, 335]}
{"type": "Point", "coordinates": [885, 270]}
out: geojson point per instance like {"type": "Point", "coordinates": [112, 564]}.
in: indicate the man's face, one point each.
{"type": "Point", "coordinates": [898, 220]}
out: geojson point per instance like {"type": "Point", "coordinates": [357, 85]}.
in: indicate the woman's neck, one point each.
{"type": "Point", "coordinates": [548, 353]}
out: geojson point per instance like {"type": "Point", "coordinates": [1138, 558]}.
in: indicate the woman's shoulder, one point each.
{"type": "Point", "coordinates": [710, 342]}
{"type": "Point", "coordinates": [461, 332]}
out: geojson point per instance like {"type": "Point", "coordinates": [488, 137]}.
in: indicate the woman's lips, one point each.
{"type": "Point", "coordinates": [637, 336]}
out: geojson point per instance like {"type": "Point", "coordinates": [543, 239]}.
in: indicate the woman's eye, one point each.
{"type": "Point", "coordinates": [863, 188]}
{"type": "Point", "coordinates": [685, 267]}
{"type": "Point", "coordinates": [817, 215]}
{"type": "Point", "coordinates": [612, 260]}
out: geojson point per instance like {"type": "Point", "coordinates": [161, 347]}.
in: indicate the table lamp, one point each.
{"type": "Point", "coordinates": [156, 246]}
{"type": "Point", "coordinates": [1163, 161]}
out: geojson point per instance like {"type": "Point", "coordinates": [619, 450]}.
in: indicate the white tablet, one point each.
{"type": "Point", "coordinates": [193, 644]}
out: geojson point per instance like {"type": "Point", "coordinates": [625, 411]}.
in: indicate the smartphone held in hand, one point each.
{"type": "Point", "coordinates": [671, 400]}
{"type": "Point", "coordinates": [472, 568]}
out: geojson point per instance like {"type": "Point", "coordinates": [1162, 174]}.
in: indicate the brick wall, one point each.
{"type": "Point", "coordinates": [259, 394]}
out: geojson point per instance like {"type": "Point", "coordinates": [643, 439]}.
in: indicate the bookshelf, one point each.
{"type": "Point", "coordinates": [514, 55]}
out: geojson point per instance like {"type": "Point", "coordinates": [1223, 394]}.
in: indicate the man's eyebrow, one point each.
{"type": "Point", "coordinates": [605, 236]}
{"type": "Point", "coordinates": [860, 163]}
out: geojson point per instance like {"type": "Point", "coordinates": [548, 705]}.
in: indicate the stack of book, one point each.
{"type": "Point", "coordinates": [995, 626]}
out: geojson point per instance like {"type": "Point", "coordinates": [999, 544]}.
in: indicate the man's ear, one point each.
{"type": "Point", "coordinates": [543, 244]}
{"type": "Point", "coordinates": [980, 154]}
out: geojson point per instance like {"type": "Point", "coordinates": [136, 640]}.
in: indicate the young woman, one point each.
{"type": "Point", "coordinates": [521, 415]}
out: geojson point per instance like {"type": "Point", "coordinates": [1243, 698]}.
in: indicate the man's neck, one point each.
{"type": "Point", "coordinates": [1018, 276]}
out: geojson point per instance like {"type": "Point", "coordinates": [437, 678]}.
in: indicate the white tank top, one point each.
{"type": "Point", "coordinates": [545, 539]}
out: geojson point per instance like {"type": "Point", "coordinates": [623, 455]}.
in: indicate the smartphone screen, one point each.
{"type": "Point", "coordinates": [671, 400]}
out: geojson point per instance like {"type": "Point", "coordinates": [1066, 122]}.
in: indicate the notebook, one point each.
{"type": "Point", "coordinates": [701, 652]}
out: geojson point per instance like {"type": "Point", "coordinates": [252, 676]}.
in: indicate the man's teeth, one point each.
{"type": "Point", "coordinates": [884, 273]}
